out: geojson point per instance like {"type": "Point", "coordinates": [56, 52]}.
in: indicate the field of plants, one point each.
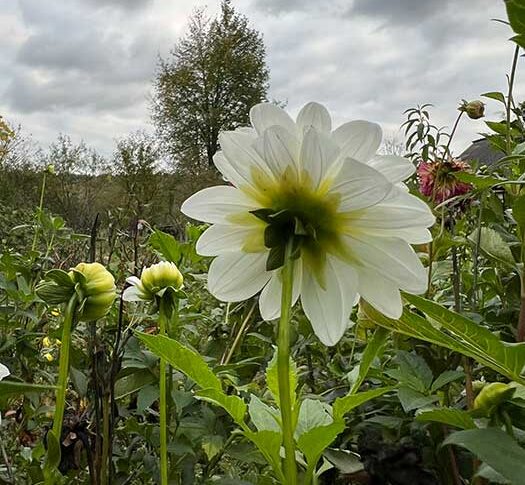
{"type": "Point", "coordinates": [319, 308]}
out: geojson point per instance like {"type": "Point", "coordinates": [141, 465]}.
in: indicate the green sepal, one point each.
{"type": "Point", "coordinates": [60, 277]}
{"type": "Point", "coordinates": [263, 214]}
{"type": "Point", "coordinates": [52, 293]}
{"type": "Point", "coordinates": [275, 258]}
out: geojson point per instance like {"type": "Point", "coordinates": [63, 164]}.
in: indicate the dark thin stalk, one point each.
{"type": "Point", "coordinates": [508, 140]}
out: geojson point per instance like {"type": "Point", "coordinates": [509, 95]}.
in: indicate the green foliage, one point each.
{"type": "Point", "coordinates": [494, 447]}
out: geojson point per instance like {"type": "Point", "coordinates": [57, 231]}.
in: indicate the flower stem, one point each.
{"type": "Point", "coordinates": [508, 110]}
{"type": "Point", "coordinates": [164, 316]}
{"type": "Point", "coordinates": [63, 369]}
{"type": "Point", "coordinates": [283, 366]}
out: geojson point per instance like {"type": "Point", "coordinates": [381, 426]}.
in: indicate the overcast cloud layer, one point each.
{"type": "Point", "coordinates": [84, 67]}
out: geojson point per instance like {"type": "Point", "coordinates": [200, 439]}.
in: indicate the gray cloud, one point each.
{"type": "Point", "coordinates": [84, 67]}
{"type": "Point", "coordinates": [401, 11]}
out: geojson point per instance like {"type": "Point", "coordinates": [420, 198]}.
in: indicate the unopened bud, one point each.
{"type": "Point", "coordinates": [491, 397]}
{"type": "Point", "coordinates": [474, 109]}
{"type": "Point", "coordinates": [96, 288]}
{"type": "Point", "coordinates": [154, 281]}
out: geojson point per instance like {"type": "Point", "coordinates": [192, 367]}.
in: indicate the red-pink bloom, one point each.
{"type": "Point", "coordinates": [437, 180]}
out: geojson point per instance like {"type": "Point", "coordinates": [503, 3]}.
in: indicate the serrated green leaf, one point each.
{"type": "Point", "coordinates": [264, 417]}
{"type": "Point", "coordinates": [479, 181]}
{"type": "Point", "coordinates": [166, 245]}
{"type": "Point", "coordinates": [272, 378]}
{"type": "Point", "coordinates": [182, 358]}
{"type": "Point", "coordinates": [373, 349]}
{"type": "Point", "coordinates": [53, 451]}
{"type": "Point", "coordinates": [316, 440]}
{"type": "Point", "coordinates": [455, 332]}
{"type": "Point", "coordinates": [516, 15]}
{"type": "Point", "coordinates": [518, 212]}
{"type": "Point", "coordinates": [233, 405]}
{"type": "Point", "coordinates": [343, 405]}
{"type": "Point", "coordinates": [411, 399]}
{"type": "Point", "coordinates": [493, 246]}
{"type": "Point", "coordinates": [494, 447]}
{"type": "Point", "coordinates": [269, 444]}
{"type": "Point", "coordinates": [495, 95]}
{"type": "Point", "coordinates": [449, 416]}
{"type": "Point", "coordinates": [445, 378]}
{"type": "Point", "coordinates": [133, 382]}
{"type": "Point", "coordinates": [12, 388]}
{"type": "Point", "coordinates": [312, 414]}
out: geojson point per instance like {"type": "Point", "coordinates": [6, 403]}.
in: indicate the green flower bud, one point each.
{"type": "Point", "coordinates": [153, 282]}
{"type": "Point", "coordinates": [474, 109]}
{"type": "Point", "coordinates": [95, 286]}
{"type": "Point", "coordinates": [491, 397]}
{"type": "Point", "coordinates": [161, 275]}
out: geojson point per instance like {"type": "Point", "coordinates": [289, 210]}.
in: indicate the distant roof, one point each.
{"type": "Point", "coordinates": [481, 151]}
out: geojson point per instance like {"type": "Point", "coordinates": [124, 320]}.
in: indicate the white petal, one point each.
{"type": "Point", "coordinates": [217, 204]}
{"type": "Point", "coordinates": [133, 293]}
{"type": "Point", "coordinates": [239, 159]}
{"type": "Point", "coordinates": [218, 239]}
{"type": "Point", "coordinates": [4, 371]}
{"type": "Point", "coordinates": [264, 115]}
{"type": "Point", "coordinates": [270, 299]}
{"type": "Point", "coordinates": [237, 276]}
{"type": "Point", "coordinates": [279, 150]}
{"type": "Point", "coordinates": [329, 310]}
{"type": "Point", "coordinates": [358, 140]}
{"type": "Point", "coordinates": [381, 293]}
{"type": "Point", "coordinates": [318, 153]}
{"type": "Point", "coordinates": [133, 280]}
{"type": "Point", "coordinates": [394, 168]}
{"type": "Point", "coordinates": [392, 258]}
{"type": "Point", "coordinates": [314, 115]}
{"type": "Point", "coordinates": [359, 186]}
{"type": "Point", "coordinates": [397, 211]}
{"type": "Point", "coordinates": [412, 235]}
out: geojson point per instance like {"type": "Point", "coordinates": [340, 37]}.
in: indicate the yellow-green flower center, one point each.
{"type": "Point", "coordinates": [295, 209]}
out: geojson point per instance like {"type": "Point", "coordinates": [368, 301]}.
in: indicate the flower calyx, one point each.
{"type": "Point", "coordinates": [283, 228]}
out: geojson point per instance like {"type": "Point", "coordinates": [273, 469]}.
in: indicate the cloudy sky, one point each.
{"type": "Point", "coordinates": [84, 67]}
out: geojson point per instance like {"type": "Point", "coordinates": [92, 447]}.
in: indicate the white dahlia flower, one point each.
{"type": "Point", "coordinates": [351, 217]}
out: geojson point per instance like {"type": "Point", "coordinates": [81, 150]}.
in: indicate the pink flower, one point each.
{"type": "Point", "coordinates": [437, 180]}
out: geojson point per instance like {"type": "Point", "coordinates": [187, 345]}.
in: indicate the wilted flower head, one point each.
{"type": "Point", "coordinates": [343, 206]}
{"type": "Point", "coordinates": [154, 281]}
{"type": "Point", "coordinates": [437, 180]}
{"type": "Point", "coordinates": [474, 109]}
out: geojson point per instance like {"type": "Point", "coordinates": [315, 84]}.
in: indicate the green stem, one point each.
{"type": "Point", "coordinates": [455, 127]}
{"type": "Point", "coordinates": [283, 366]}
{"type": "Point", "coordinates": [163, 319]}
{"type": "Point", "coordinates": [63, 369]}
